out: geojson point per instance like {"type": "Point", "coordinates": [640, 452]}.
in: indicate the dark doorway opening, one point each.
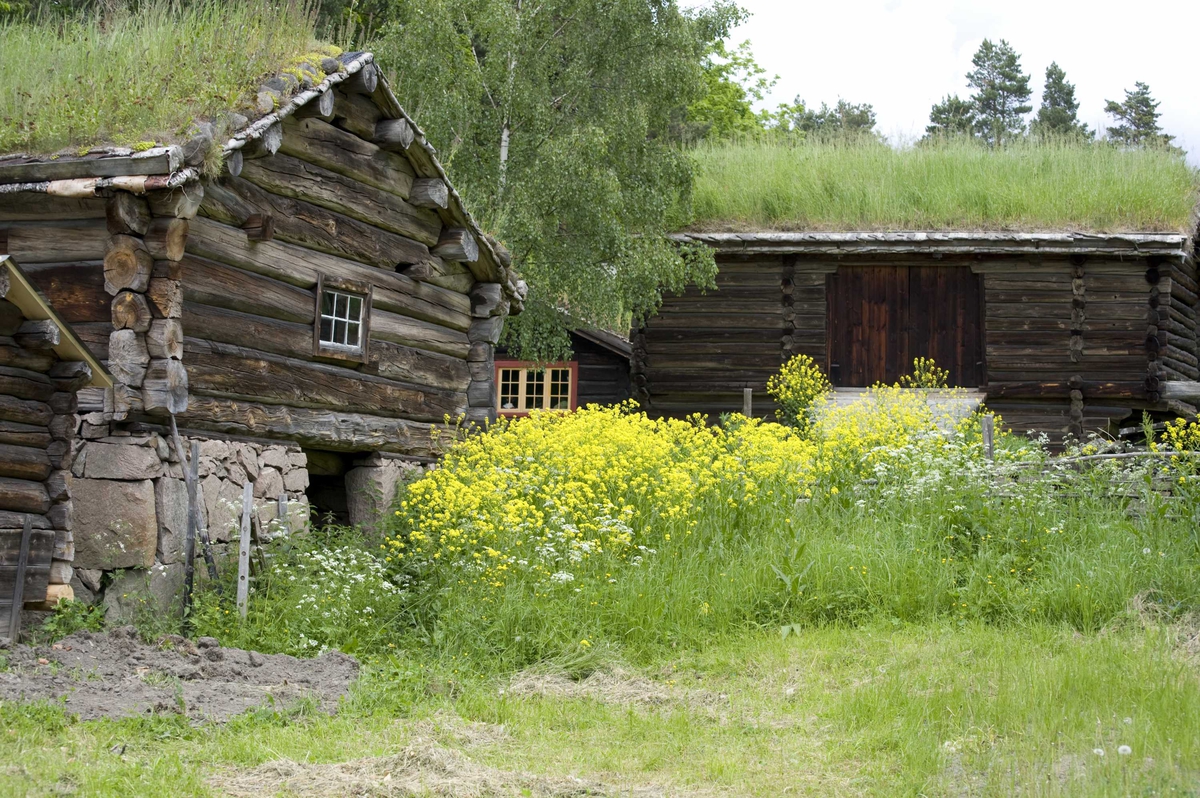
{"type": "Point", "coordinates": [880, 318]}
{"type": "Point", "coordinates": [327, 486]}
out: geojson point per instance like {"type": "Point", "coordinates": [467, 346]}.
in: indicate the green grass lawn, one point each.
{"type": "Point", "coordinates": [947, 186]}
{"type": "Point", "coordinates": [879, 710]}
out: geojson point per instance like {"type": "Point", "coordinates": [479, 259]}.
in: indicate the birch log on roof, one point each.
{"type": "Point", "coordinates": [320, 107]}
{"type": "Point", "coordinates": [265, 145]}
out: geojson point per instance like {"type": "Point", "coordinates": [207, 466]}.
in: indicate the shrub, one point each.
{"type": "Point", "coordinates": [798, 388]}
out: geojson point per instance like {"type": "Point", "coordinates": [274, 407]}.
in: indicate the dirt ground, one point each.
{"type": "Point", "coordinates": [115, 674]}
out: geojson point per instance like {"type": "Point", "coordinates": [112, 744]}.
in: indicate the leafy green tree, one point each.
{"type": "Point", "coordinates": [951, 117]}
{"type": "Point", "coordinates": [843, 119]}
{"type": "Point", "coordinates": [733, 81]}
{"type": "Point", "coordinates": [1002, 93]}
{"type": "Point", "coordinates": [554, 121]}
{"type": "Point", "coordinates": [1137, 118]}
{"type": "Point", "coordinates": [1058, 114]}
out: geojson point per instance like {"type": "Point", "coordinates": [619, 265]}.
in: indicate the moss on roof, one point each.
{"type": "Point", "coordinates": [949, 186]}
{"type": "Point", "coordinates": [144, 78]}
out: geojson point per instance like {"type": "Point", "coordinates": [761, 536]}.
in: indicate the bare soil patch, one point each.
{"type": "Point", "coordinates": [115, 674]}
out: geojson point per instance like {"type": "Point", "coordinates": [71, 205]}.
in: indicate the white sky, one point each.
{"type": "Point", "coordinates": [904, 55]}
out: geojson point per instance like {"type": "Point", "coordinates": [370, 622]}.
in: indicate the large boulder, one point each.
{"type": "Point", "coordinates": [171, 503]}
{"type": "Point", "coordinates": [115, 524]}
{"type": "Point", "coordinates": [157, 590]}
{"type": "Point", "coordinates": [121, 461]}
{"type": "Point", "coordinates": [224, 504]}
{"type": "Point", "coordinates": [371, 490]}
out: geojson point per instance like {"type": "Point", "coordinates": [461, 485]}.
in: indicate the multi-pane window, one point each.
{"type": "Point", "coordinates": [521, 387]}
{"type": "Point", "coordinates": [341, 319]}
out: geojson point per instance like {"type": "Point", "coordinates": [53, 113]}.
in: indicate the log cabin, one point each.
{"type": "Point", "coordinates": [1059, 333]}
{"type": "Point", "coordinates": [307, 297]}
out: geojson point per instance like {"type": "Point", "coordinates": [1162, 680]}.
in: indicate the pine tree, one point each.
{"type": "Point", "coordinates": [1058, 114]}
{"type": "Point", "coordinates": [1001, 92]}
{"type": "Point", "coordinates": [1137, 117]}
{"type": "Point", "coordinates": [951, 117]}
{"type": "Point", "coordinates": [844, 119]}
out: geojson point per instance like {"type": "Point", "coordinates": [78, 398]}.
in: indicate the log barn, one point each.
{"type": "Point", "coordinates": [1058, 332]}
{"type": "Point", "coordinates": [597, 373]}
{"type": "Point", "coordinates": [305, 293]}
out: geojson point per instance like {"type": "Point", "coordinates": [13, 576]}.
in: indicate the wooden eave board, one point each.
{"type": "Point", "coordinates": [35, 308]}
{"type": "Point", "coordinates": [610, 341]}
{"type": "Point", "coordinates": [156, 161]}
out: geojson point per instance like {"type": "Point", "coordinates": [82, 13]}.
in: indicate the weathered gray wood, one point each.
{"type": "Point", "coordinates": [19, 357]}
{"type": "Point", "coordinates": [292, 177]}
{"type": "Point", "coordinates": [24, 462]}
{"type": "Point", "coordinates": [130, 311]}
{"type": "Point", "coordinates": [235, 328]}
{"type": "Point", "coordinates": [300, 267]}
{"type": "Point", "coordinates": [265, 145]}
{"type": "Point", "coordinates": [23, 496]}
{"type": "Point", "coordinates": [181, 203]}
{"type": "Point", "coordinates": [38, 335]}
{"type": "Point", "coordinates": [486, 300]}
{"type": "Point", "coordinates": [417, 367]}
{"type": "Point", "coordinates": [166, 298]}
{"type": "Point", "coordinates": [23, 411]}
{"type": "Point", "coordinates": [166, 239]}
{"type": "Point", "coordinates": [230, 372]}
{"type": "Point", "coordinates": [127, 265]}
{"type": "Point", "coordinates": [127, 214]}
{"type": "Point", "coordinates": [363, 81]}
{"type": "Point", "coordinates": [259, 227]}
{"type": "Point", "coordinates": [27, 206]}
{"type": "Point", "coordinates": [334, 430]}
{"type": "Point", "coordinates": [320, 107]}
{"type": "Point", "coordinates": [18, 594]}
{"type": "Point", "coordinates": [418, 334]}
{"type": "Point", "coordinates": [356, 114]}
{"type": "Point", "coordinates": [128, 357]}
{"type": "Point", "coordinates": [337, 150]}
{"type": "Point", "coordinates": [23, 435]}
{"type": "Point", "coordinates": [457, 244]}
{"type": "Point", "coordinates": [243, 575]}
{"type": "Point", "coordinates": [165, 387]}
{"type": "Point", "coordinates": [231, 201]}
{"type": "Point", "coordinates": [212, 283]}
{"type": "Point", "coordinates": [429, 192]}
{"type": "Point", "coordinates": [70, 376]}
{"type": "Point", "coordinates": [158, 161]}
{"type": "Point", "coordinates": [55, 242]}
{"type": "Point", "coordinates": [164, 339]}
{"type": "Point", "coordinates": [395, 135]}
{"type": "Point", "coordinates": [11, 317]}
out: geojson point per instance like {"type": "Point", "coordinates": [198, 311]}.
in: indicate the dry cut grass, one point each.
{"type": "Point", "coordinates": [130, 78]}
{"type": "Point", "coordinates": [947, 186]}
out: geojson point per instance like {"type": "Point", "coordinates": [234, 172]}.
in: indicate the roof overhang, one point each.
{"type": "Point", "coordinates": [1171, 245]}
{"type": "Point", "coordinates": [33, 306]}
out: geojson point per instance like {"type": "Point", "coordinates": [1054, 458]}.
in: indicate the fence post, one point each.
{"type": "Point", "coordinates": [989, 436]}
{"type": "Point", "coordinates": [243, 583]}
{"type": "Point", "coordinates": [748, 402]}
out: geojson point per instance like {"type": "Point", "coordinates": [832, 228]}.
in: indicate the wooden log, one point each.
{"type": "Point", "coordinates": [429, 192]}
{"type": "Point", "coordinates": [38, 335]}
{"type": "Point", "coordinates": [418, 334]}
{"type": "Point", "coordinates": [24, 462]}
{"type": "Point", "coordinates": [292, 177]}
{"type": "Point", "coordinates": [178, 203]}
{"type": "Point", "coordinates": [127, 214]}
{"type": "Point", "coordinates": [127, 357]}
{"type": "Point", "coordinates": [356, 114]}
{"type": "Point", "coordinates": [130, 311]}
{"type": "Point", "coordinates": [235, 328]}
{"type": "Point", "coordinates": [166, 239]}
{"type": "Point", "coordinates": [156, 161]}
{"type": "Point", "coordinates": [259, 227]}
{"type": "Point", "coordinates": [299, 266]}
{"type": "Point", "coordinates": [265, 145]}
{"type": "Point", "coordinates": [165, 388]}
{"type": "Point", "coordinates": [486, 300]}
{"type": "Point", "coordinates": [364, 81]}
{"type": "Point", "coordinates": [332, 148]}
{"type": "Point", "coordinates": [166, 298]}
{"type": "Point", "coordinates": [25, 384]}
{"type": "Point", "coordinates": [457, 244]}
{"type": "Point", "coordinates": [165, 339]}
{"type": "Point", "coordinates": [222, 371]}
{"type": "Point", "coordinates": [70, 376]}
{"type": "Point", "coordinates": [322, 429]}
{"type": "Point", "coordinates": [232, 201]}
{"type": "Point", "coordinates": [16, 434]}
{"type": "Point", "coordinates": [127, 265]}
{"type": "Point", "coordinates": [23, 411]}
{"type": "Point", "coordinates": [76, 290]}
{"type": "Point", "coordinates": [320, 107]}
{"type": "Point", "coordinates": [243, 574]}
{"type": "Point", "coordinates": [417, 367]}
{"type": "Point", "coordinates": [23, 496]}
{"type": "Point", "coordinates": [209, 282]}
{"type": "Point", "coordinates": [59, 242]}
{"type": "Point", "coordinates": [11, 318]}
{"type": "Point", "coordinates": [29, 207]}
{"type": "Point", "coordinates": [395, 135]}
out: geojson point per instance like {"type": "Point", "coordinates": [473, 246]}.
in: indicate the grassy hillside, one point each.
{"type": "Point", "coordinates": [130, 78]}
{"type": "Point", "coordinates": [954, 185]}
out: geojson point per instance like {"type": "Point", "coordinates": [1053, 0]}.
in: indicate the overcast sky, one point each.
{"type": "Point", "coordinates": [904, 55]}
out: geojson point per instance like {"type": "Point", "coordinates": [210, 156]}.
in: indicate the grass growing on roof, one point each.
{"type": "Point", "coordinates": [130, 78]}
{"type": "Point", "coordinates": [950, 185]}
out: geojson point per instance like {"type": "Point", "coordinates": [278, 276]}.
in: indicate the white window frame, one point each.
{"type": "Point", "coordinates": [351, 289]}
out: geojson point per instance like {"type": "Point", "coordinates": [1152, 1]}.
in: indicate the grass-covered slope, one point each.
{"type": "Point", "coordinates": [947, 186]}
{"type": "Point", "coordinates": [131, 78]}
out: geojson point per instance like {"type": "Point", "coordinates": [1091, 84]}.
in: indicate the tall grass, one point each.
{"type": "Point", "coordinates": [131, 77]}
{"type": "Point", "coordinates": [949, 185]}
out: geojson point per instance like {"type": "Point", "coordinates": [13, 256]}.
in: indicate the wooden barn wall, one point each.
{"type": "Point", "coordinates": [704, 347]}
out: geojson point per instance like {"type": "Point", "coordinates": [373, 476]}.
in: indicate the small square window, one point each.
{"type": "Point", "coordinates": [343, 310]}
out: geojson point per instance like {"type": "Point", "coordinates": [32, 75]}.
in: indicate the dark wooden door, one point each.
{"type": "Point", "coordinates": [882, 317]}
